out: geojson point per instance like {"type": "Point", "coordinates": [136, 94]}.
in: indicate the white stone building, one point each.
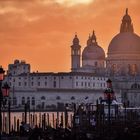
{"type": "Point", "coordinates": [47, 89]}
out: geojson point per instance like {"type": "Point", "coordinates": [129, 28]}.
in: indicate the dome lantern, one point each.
{"type": "Point", "coordinates": [93, 51]}
{"type": "Point", "coordinates": [126, 25]}
{"type": "Point", "coordinates": [76, 40]}
{"type": "Point", "coordinates": [93, 38]}
{"type": "Point", "coordinates": [89, 41]}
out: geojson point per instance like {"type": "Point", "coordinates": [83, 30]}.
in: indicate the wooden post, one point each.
{"type": "Point", "coordinates": [42, 125]}
{"type": "Point", "coordinates": [17, 125]}
{"type": "Point", "coordinates": [44, 118]}
{"type": "Point", "coordinates": [66, 117]}
{"type": "Point", "coordinates": [14, 123]}
{"type": "Point", "coordinates": [48, 119]}
{"type": "Point", "coordinates": [23, 117]}
{"type": "Point", "coordinates": [71, 120]}
{"type": "Point", "coordinates": [9, 115]}
{"type": "Point", "coordinates": [3, 124]}
{"type": "Point", "coordinates": [57, 119]}
{"type": "Point", "coordinates": [39, 119]}
{"type": "Point", "coordinates": [53, 120]}
{"type": "Point", "coordinates": [36, 119]}
{"type": "Point", "coordinates": [6, 123]}
{"type": "Point", "coordinates": [62, 120]}
{"type": "Point", "coordinates": [25, 112]}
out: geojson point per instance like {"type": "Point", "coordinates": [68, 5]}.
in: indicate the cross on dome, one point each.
{"type": "Point", "coordinates": [126, 11]}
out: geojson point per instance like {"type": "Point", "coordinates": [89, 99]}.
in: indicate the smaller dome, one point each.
{"type": "Point", "coordinates": [93, 51]}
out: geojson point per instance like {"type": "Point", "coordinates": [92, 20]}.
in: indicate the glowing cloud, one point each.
{"type": "Point", "coordinates": [41, 31]}
{"type": "Point", "coordinates": [73, 2]}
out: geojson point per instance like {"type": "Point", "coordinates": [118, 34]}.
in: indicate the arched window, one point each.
{"type": "Point", "coordinates": [33, 100]}
{"type": "Point", "coordinates": [43, 98]}
{"type": "Point", "coordinates": [28, 100]}
{"type": "Point", "coordinates": [54, 84]}
{"type": "Point", "coordinates": [114, 68]}
{"type": "Point", "coordinates": [72, 98]}
{"type": "Point", "coordinates": [23, 101]}
{"type": "Point", "coordinates": [72, 52]}
{"type": "Point", "coordinates": [96, 64]}
{"type": "Point", "coordinates": [58, 98]}
{"type": "Point", "coordinates": [134, 69]}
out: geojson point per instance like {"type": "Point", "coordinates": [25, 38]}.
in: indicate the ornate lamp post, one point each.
{"type": "Point", "coordinates": [5, 92]}
{"type": "Point", "coordinates": [109, 95]}
{"type": "Point", "coordinates": [1, 96]}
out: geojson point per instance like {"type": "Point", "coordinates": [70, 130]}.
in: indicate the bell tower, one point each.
{"type": "Point", "coordinates": [75, 54]}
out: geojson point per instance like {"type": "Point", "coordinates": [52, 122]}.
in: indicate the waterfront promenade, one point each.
{"type": "Point", "coordinates": [77, 125]}
{"type": "Point", "coordinates": [117, 131]}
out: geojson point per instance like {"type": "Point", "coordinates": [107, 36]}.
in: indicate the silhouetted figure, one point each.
{"type": "Point", "coordinates": [36, 134]}
{"type": "Point", "coordinates": [22, 131]}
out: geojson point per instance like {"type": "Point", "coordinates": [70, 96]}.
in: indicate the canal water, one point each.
{"type": "Point", "coordinates": [41, 119]}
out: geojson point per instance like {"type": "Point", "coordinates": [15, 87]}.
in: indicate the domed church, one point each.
{"type": "Point", "coordinates": [123, 56]}
{"type": "Point", "coordinates": [122, 63]}
{"type": "Point", "coordinates": [93, 56]}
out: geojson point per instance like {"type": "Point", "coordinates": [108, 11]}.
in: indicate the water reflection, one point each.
{"type": "Point", "coordinates": [53, 119]}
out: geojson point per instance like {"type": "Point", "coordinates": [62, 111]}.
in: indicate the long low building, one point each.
{"type": "Point", "coordinates": [43, 90]}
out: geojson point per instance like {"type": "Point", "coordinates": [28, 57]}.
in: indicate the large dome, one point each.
{"type": "Point", "coordinates": [124, 43]}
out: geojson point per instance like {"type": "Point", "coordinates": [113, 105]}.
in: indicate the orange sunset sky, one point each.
{"type": "Point", "coordinates": [41, 31]}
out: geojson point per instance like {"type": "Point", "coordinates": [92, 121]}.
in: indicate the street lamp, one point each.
{"type": "Point", "coordinates": [5, 93]}
{"type": "Point", "coordinates": [109, 96]}
{"type": "Point", "coordinates": [1, 96]}
{"type": "Point", "coordinates": [5, 90]}
{"type": "Point", "coordinates": [1, 74]}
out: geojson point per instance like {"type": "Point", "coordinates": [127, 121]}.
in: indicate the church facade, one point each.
{"type": "Point", "coordinates": [90, 70]}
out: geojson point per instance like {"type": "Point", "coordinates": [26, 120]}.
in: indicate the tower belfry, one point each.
{"type": "Point", "coordinates": [75, 54]}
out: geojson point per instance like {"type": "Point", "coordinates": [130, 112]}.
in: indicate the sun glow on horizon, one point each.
{"type": "Point", "coordinates": [73, 2]}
